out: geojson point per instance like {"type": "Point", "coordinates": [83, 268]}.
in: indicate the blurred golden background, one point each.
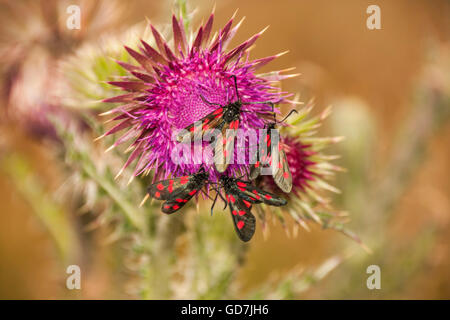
{"type": "Point", "coordinates": [371, 77]}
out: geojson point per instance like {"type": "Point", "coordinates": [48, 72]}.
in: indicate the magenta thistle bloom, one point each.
{"type": "Point", "coordinates": [165, 93]}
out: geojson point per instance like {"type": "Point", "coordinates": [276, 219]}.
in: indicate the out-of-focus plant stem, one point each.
{"type": "Point", "coordinates": [181, 6]}
{"type": "Point", "coordinates": [133, 215]}
{"type": "Point", "coordinates": [157, 233]}
{"type": "Point", "coordinates": [297, 281]}
{"type": "Point", "coordinates": [169, 228]}
{"type": "Point", "coordinates": [430, 111]}
{"type": "Point", "coordinates": [48, 211]}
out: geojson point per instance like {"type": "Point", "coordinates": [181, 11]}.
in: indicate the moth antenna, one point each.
{"type": "Point", "coordinates": [214, 203]}
{"type": "Point", "coordinates": [206, 194]}
{"type": "Point", "coordinates": [221, 197]}
{"type": "Point", "coordinates": [274, 115]}
{"type": "Point", "coordinates": [236, 88]}
{"type": "Point", "coordinates": [260, 102]}
{"type": "Point", "coordinates": [288, 115]}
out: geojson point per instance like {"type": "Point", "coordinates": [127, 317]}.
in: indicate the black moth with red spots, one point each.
{"type": "Point", "coordinates": [178, 191]}
{"type": "Point", "coordinates": [240, 195]}
{"type": "Point", "coordinates": [281, 173]}
{"type": "Point", "coordinates": [224, 118]}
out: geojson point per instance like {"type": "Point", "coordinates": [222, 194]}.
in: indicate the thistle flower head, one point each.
{"type": "Point", "coordinates": [171, 88]}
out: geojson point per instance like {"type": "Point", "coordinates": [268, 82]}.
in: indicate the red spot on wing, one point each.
{"type": "Point", "coordinates": [240, 224]}
{"type": "Point", "coordinates": [184, 180]}
{"type": "Point", "coordinates": [157, 194]}
{"type": "Point", "coordinates": [268, 197]}
{"type": "Point", "coordinates": [234, 124]}
{"type": "Point", "coordinates": [248, 204]}
{"type": "Point", "coordinates": [192, 192]}
{"type": "Point", "coordinates": [235, 212]}
{"type": "Point", "coordinates": [241, 184]}
{"type": "Point", "coordinates": [242, 212]}
{"type": "Point", "coordinates": [175, 207]}
{"type": "Point", "coordinates": [218, 111]}
{"type": "Point", "coordinates": [232, 198]}
{"type": "Point", "coordinates": [179, 200]}
{"type": "Point", "coordinates": [160, 186]}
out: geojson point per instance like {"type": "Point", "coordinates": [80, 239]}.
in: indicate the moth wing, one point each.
{"type": "Point", "coordinates": [182, 195]}
{"type": "Point", "coordinates": [246, 191]}
{"type": "Point", "coordinates": [210, 121]}
{"type": "Point", "coordinates": [258, 195]}
{"type": "Point", "coordinates": [223, 150]}
{"type": "Point", "coordinates": [282, 174]}
{"type": "Point", "coordinates": [166, 189]}
{"type": "Point", "coordinates": [255, 169]}
{"type": "Point", "coordinates": [178, 201]}
{"type": "Point", "coordinates": [243, 220]}
{"type": "Point", "coordinates": [160, 189]}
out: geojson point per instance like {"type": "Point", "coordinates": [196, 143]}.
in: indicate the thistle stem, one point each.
{"type": "Point", "coordinates": [50, 213]}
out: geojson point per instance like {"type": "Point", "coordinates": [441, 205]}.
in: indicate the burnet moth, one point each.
{"type": "Point", "coordinates": [240, 195]}
{"type": "Point", "coordinates": [280, 172]}
{"type": "Point", "coordinates": [178, 191]}
{"type": "Point", "coordinates": [225, 117]}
